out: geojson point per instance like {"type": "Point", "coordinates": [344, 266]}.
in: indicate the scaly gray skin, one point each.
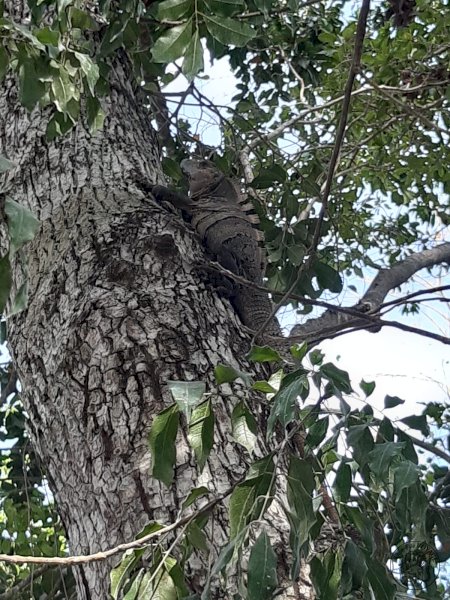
{"type": "Point", "coordinates": [216, 211]}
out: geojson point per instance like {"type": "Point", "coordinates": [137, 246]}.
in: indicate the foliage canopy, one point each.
{"type": "Point", "coordinates": [385, 198]}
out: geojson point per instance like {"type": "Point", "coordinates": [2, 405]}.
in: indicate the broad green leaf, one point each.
{"type": "Point", "coordinates": [354, 564]}
{"type": "Point", "coordinates": [264, 387]}
{"type": "Point", "coordinates": [5, 164]}
{"type": "Point", "coordinates": [381, 583]}
{"type": "Point", "coordinates": [328, 277]}
{"type": "Point", "coordinates": [163, 433]}
{"type": "Point", "coordinates": [174, 10]}
{"type": "Point", "coordinates": [262, 570]}
{"type": "Point", "coordinates": [120, 574]}
{"type": "Point", "coordinates": [251, 498]}
{"type": "Point", "coordinates": [296, 254]}
{"type": "Point", "coordinates": [264, 5]}
{"type": "Point", "coordinates": [228, 374]}
{"type": "Point", "coordinates": [392, 401]}
{"type": "Point", "coordinates": [95, 114]}
{"type": "Point", "coordinates": [223, 560]}
{"type": "Point", "coordinates": [173, 43]}
{"type": "Point", "coordinates": [196, 537]}
{"type": "Point", "coordinates": [48, 36]}
{"type": "Point", "coordinates": [263, 354]}
{"type": "Point", "coordinates": [285, 402]}
{"type": "Point", "coordinates": [22, 224]}
{"type": "Point", "coordinates": [176, 574]}
{"type": "Point", "coordinates": [63, 91]}
{"type": "Point", "coordinates": [226, 7]}
{"type": "Point", "coordinates": [337, 377]}
{"type": "Point", "coordinates": [342, 483]}
{"type": "Point", "coordinates": [300, 492]}
{"type": "Point", "coordinates": [81, 19]}
{"type": "Point", "coordinates": [381, 457]}
{"type": "Point", "coordinates": [4, 62]}
{"type": "Point", "coordinates": [317, 432]}
{"type": "Point", "coordinates": [417, 422]}
{"type": "Point", "coordinates": [187, 394]}
{"type": "Point", "coordinates": [5, 281]}
{"type": "Point", "coordinates": [299, 351]}
{"type": "Point", "coordinates": [229, 31]}
{"type": "Point", "coordinates": [201, 432]}
{"type": "Point", "coordinates": [90, 70]}
{"type": "Point", "coordinates": [326, 574]}
{"type": "Point", "coordinates": [244, 427]}
{"type": "Point", "coordinates": [31, 89]}
{"type": "Point", "coordinates": [405, 475]}
{"type": "Point", "coordinates": [367, 387]}
{"type": "Point", "coordinates": [267, 177]}
{"type": "Point", "coordinates": [194, 495]}
{"type": "Point", "coordinates": [193, 57]}
{"type": "Point", "coordinates": [132, 593]}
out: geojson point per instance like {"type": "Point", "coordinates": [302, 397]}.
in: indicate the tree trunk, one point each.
{"type": "Point", "coordinates": [116, 308]}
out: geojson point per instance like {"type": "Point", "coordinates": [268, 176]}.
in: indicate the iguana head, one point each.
{"type": "Point", "coordinates": [204, 177]}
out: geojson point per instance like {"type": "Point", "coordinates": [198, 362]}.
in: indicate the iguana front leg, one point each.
{"type": "Point", "coordinates": [164, 194]}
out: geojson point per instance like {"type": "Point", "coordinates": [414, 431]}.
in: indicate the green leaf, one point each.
{"type": "Point", "coordinates": [406, 474]}
{"type": "Point", "coordinates": [31, 88]}
{"type": "Point", "coordinates": [264, 5]}
{"type": "Point", "coordinates": [367, 387]}
{"type": "Point", "coordinates": [119, 575]}
{"type": "Point", "coordinates": [95, 114]}
{"type": "Point", "coordinates": [174, 10]}
{"type": "Point", "coordinates": [285, 402]}
{"type": "Point", "coordinates": [90, 70]}
{"type": "Point", "coordinates": [48, 36]}
{"type": "Point", "coordinates": [296, 254]}
{"type": "Point", "coordinates": [5, 164]}
{"type": "Point", "coordinates": [300, 492]}
{"type": "Point", "coordinates": [337, 377]}
{"type": "Point", "coordinates": [244, 427]}
{"type": "Point", "coordinates": [194, 495]}
{"type": "Point", "coordinates": [381, 583]}
{"type": "Point", "coordinates": [267, 177]}
{"type": "Point", "coordinates": [201, 432]}
{"type": "Point", "coordinates": [342, 483]}
{"type": "Point", "coordinates": [133, 591]}
{"type": "Point", "coordinates": [264, 387]}
{"type": "Point", "coordinates": [251, 498]}
{"type": "Point", "coordinates": [4, 62]}
{"type": "Point", "coordinates": [22, 224]}
{"type": "Point", "coordinates": [197, 537]}
{"type": "Point", "coordinates": [187, 394]}
{"type": "Point", "coordinates": [328, 277]}
{"type": "Point", "coordinates": [226, 7]}
{"type": "Point", "coordinates": [381, 457]}
{"type": "Point", "coordinates": [228, 31]}
{"type": "Point", "coordinates": [418, 422]}
{"type": "Point", "coordinates": [163, 433]}
{"type": "Point", "coordinates": [5, 281]}
{"type": "Point", "coordinates": [392, 401]}
{"type": "Point", "coordinates": [263, 354]}
{"type": "Point", "coordinates": [317, 432]}
{"type": "Point", "coordinates": [173, 43]}
{"type": "Point", "coordinates": [262, 570]}
{"type": "Point", "coordinates": [193, 57]}
{"type": "Point", "coordinates": [299, 351]}
{"type": "Point", "coordinates": [227, 374]}
{"type": "Point", "coordinates": [224, 558]}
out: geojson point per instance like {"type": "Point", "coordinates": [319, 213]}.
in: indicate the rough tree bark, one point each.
{"type": "Point", "coordinates": [116, 308]}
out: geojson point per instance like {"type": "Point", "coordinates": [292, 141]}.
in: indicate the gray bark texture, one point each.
{"type": "Point", "coordinates": [115, 309]}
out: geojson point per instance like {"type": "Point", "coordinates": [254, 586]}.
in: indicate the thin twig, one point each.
{"type": "Point", "coordinates": [354, 69]}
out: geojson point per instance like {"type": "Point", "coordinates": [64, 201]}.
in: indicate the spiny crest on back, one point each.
{"type": "Point", "coordinates": [207, 181]}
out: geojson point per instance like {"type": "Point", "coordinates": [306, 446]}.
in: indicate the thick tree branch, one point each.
{"type": "Point", "coordinates": [385, 281]}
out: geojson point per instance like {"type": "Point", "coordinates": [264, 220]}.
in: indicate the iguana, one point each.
{"type": "Point", "coordinates": [221, 217]}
